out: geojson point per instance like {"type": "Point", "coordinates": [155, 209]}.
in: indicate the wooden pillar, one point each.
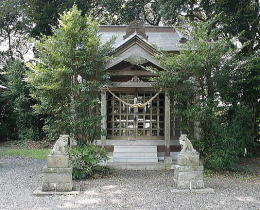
{"type": "Point", "coordinates": [104, 117]}
{"type": "Point", "coordinates": [167, 128]}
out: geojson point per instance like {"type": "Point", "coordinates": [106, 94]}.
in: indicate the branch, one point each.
{"type": "Point", "coordinates": [194, 16]}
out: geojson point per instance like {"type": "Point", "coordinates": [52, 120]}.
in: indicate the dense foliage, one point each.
{"type": "Point", "coordinates": [86, 160]}
{"type": "Point", "coordinates": [14, 28]}
{"type": "Point", "coordinates": [18, 120]}
{"type": "Point", "coordinates": [46, 13]}
{"type": "Point", "coordinates": [206, 79]}
{"type": "Point", "coordinates": [67, 76]}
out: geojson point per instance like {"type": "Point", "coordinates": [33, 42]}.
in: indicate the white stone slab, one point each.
{"type": "Point", "coordinates": [140, 166]}
{"type": "Point", "coordinates": [135, 149]}
{"type": "Point", "coordinates": [136, 160]}
{"type": "Point", "coordinates": [134, 154]}
{"type": "Point", "coordinates": [136, 142]}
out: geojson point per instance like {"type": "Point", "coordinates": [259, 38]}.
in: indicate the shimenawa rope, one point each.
{"type": "Point", "coordinates": [138, 105]}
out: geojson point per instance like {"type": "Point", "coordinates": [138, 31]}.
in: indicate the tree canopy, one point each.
{"type": "Point", "coordinates": [206, 80]}
{"type": "Point", "coordinates": [67, 75]}
{"type": "Point", "coordinates": [14, 29]}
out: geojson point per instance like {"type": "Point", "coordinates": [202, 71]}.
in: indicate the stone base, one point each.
{"type": "Point", "coordinates": [188, 177]}
{"type": "Point", "coordinates": [57, 161]}
{"type": "Point", "coordinates": [58, 187]}
{"type": "Point", "coordinates": [200, 191]}
{"type": "Point", "coordinates": [188, 159]}
{"type": "Point", "coordinates": [57, 179]}
{"type": "Point", "coordinates": [39, 192]}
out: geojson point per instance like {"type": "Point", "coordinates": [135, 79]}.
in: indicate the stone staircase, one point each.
{"type": "Point", "coordinates": [135, 154]}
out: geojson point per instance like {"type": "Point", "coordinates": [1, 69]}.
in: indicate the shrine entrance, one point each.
{"type": "Point", "coordinates": [126, 123]}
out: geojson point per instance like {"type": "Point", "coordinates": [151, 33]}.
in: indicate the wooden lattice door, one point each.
{"type": "Point", "coordinates": [135, 123]}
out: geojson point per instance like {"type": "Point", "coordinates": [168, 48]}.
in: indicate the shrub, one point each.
{"type": "Point", "coordinates": [85, 160]}
{"type": "Point", "coordinates": [226, 142]}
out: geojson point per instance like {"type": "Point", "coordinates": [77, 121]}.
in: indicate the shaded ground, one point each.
{"type": "Point", "coordinates": [28, 144]}
{"type": "Point", "coordinates": [125, 190]}
{"type": "Point", "coordinates": [252, 164]}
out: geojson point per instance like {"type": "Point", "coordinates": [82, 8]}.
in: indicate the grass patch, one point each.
{"type": "Point", "coordinates": [32, 153]}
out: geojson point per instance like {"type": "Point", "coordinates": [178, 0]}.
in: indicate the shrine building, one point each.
{"type": "Point", "coordinates": [136, 116]}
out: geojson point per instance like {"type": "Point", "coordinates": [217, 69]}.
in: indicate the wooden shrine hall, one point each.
{"type": "Point", "coordinates": [135, 115]}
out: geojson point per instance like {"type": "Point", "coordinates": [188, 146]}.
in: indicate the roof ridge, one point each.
{"type": "Point", "coordinates": [146, 26]}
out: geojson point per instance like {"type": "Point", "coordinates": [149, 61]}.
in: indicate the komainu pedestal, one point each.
{"type": "Point", "coordinates": [57, 176]}
{"type": "Point", "coordinates": [188, 172]}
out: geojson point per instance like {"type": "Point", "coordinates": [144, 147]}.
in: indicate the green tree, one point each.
{"type": "Point", "coordinates": [67, 76]}
{"type": "Point", "coordinates": [45, 14]}
{"type": "Point", "coordinates": [14, 28]}
{"type": "Point", "coordinates": [7, 119]}
{"type": "Point", "coordinates": [147, 11]}
{"type": "Point", "coordinates": [18, 120]}
{"type": "Point", "coordinates": [206, 81]}
{"type": "Point", "coordinates": [237, 16]}
{"type": "Point", "coordinates": [238, 21]}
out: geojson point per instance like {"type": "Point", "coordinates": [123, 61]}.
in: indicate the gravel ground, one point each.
{"type": "Point", "coordinates": [19, 177]}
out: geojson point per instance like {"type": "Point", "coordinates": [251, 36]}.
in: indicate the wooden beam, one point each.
{"type": "Point", "coordinates": [130, 73]}
{"type": "Point", "coordinates": [132, 89]}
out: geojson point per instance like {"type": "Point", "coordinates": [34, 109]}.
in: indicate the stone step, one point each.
{"type": "Point", "coordinates": [134, 154]}
{"type": "Point", "coordinates": [140, 166]}
{"type": "Point", "coordinates": [135, 159]}
{"type": "Point", "coordinates": [135, 149]}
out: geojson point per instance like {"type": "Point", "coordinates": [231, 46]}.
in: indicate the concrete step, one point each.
{"type": "Point", "coordinates": [135, 154]}
{"type": "Point", "coordinates": [135, 159]}
{"type": "Point", "coordinates": [137, 142]}
{"type": "Point", "coordinates": [140, 166]}
{"type": "Point", "coordinates": [135, 149]}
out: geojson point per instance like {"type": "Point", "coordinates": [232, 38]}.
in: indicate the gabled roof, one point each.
{"type": "Point", "coordinates": [135, 50]}
{"type": "Point", "coordinates": [136, 39]}
{"type": "Point", "coordinates": [166, 38]}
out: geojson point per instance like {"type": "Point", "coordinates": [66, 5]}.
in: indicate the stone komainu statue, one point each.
{"type": "Point", "coordinates": [57, 176]}
{"type": "Point", "coordinates": [61, 146]}
{"type": "Point", "coordinates": [186, 144]}
{"type": "Point", "coordinates": [188, 172]}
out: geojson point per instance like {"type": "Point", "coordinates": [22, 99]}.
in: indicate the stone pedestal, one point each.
{"type": "Point", "coordinates": [188, 177]}
{"type": "Point", "coordinates": [57, 179]}
{"type": "Point", "coordinates": [188, 159]}
{"type": "Point", "coordinates": [57, 176]}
